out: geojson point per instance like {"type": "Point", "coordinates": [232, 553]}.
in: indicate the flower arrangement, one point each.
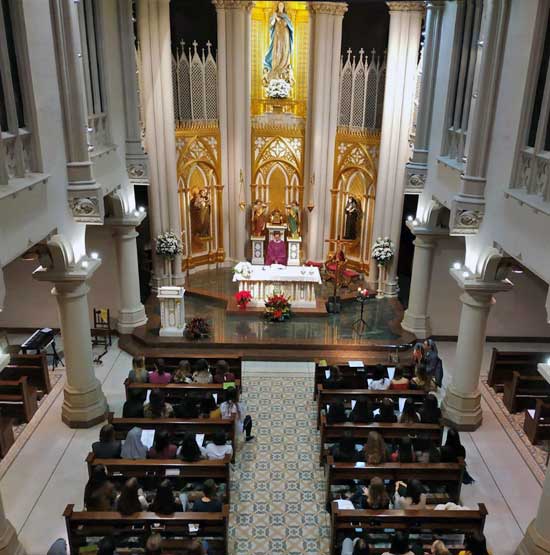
{"type": "Point", "coordinates": [243, 269]}
{"type": "Point", "coordinates": [169, 245]}
{"type": "Point", "coordinates": [197, 328]}
{"type": "Point", "coordinates": [278, 88]}
{"type": "Point", "coordinates": [277, 307]}
{"type": "Point", "coordinates": [383, 250]}
{"type": "Point", "coordinates": [243, 298]}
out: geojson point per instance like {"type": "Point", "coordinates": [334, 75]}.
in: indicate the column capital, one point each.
{"type": "Point", "coordinates": [477, 287]}
{"type": "Point", "coordinates": [426, 230]}
{"type": "Point", "coordinates": [129, 219]}
{"type": "Point", "coordinates": [233, 4]}
{"type": "Point", "coordinates": [435, 4]}
{"type": "Point", "coordinates": [74, 275]}
{"type": "Point", "coordinates": [396, 6]}
{"type": "Point", "coordinates": [328, 8]}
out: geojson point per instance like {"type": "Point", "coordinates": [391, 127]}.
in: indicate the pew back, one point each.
{"type": "Point", "coordinates": [178, 390]}
{"type": "Point", "coordinates": [503, 363]}
{"type": "Point", "coordinates": [523, 391]}
{"type": "Point", "coordinates": [35, 367]}
{"type": "Point", "coordinates": [536, 425]}
{"type": "Point", "coordinates": [18, 399]}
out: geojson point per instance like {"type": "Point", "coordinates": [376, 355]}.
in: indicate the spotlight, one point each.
{"type": "Point", "coordinates": [136, 213]}
{"type": "Point", "coordinates": [85, 264]}
{"type": "Point", "coordinates": [415, 222]}
{"type": "Point", "coordinates": [465, 274]}
{"type": "Point", "coordinates": [141, 209]}
{"type": "Point", "coordinates": [94, 255]}
{"type": "Point", "coordinates": [457, 265]}
{"type": "Point", "coordinates": [410, 218]}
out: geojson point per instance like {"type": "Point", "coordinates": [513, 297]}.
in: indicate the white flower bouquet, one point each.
{"type": "Point", "coordinates": [169, 245]}
{"type": "Point", "coordinates": [278, 88]}
{"type": "Point", "coordinates": [383, 250]}
{"type": "Point", "coordinates": [243, 269]}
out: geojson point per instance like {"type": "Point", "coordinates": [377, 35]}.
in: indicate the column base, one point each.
{"type": "Point", "coordinates": [533, 543]}
{"type": "Point", "coordinates": [84, 409]}
{"type": "Point", "coordinates": [391, 288]}
{"type": "Point", "coordinates": [419, 325]}
{"type": "Point", "coordinates": [130, 319]}
{"type": "Point", "coordinates": [9, 542]}
{"type": "Point", "coordinates": [462, 411]}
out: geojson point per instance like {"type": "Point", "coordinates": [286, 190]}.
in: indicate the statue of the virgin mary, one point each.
{"type": "Point", "coordinates": [277, 63]}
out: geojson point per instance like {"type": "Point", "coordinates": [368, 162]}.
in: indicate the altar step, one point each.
{"type": "Point", "coordinates": [277, 368]}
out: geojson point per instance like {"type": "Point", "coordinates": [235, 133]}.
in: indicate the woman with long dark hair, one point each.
{"type": "Point", "coordinates": [131, 499]}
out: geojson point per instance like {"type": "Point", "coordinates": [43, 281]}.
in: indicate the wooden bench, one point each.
{"type": "Point", "coordinates": [87, 527]}
{"type": "Point", "coordinates": [431, 524]}
{"type": "Point", "coordinates": [327, 396]}
{"type": "Point", "coordinates": [18, 399]}
{"type": "Point", "coordinates": [446, 474]}
{"type": "Point", "coordinates": [503, 363]}
{"type": "Point", "coordinates": [177, 427]}
{"type": "Point", "coordinates": [178, 390]}
{"type": "Point", "coordinates": [156, 470]}
{"type": "Point", "coordinates": [523, 391]}
{"type": "Point", "coordinates": [331, 433]}
{"type": "Point", "coordinates": [34, 367]}
{"type": "Point", "coordinates": [537, 425]}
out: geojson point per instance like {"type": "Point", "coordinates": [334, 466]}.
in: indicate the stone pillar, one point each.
{"type": "Point", "coordinates": [234, 114]}
{"type": "Point", "coordinates": [132, 312]}
{"type": "Point", "coordinates": [9, 543]}
{"type": "Point", "coordinates": [461, 406]}
{"type": "Point", "coordinates": [399, 92]}
{"type": "Point", "coordinates": [416, 319]}
{"type": "Point", "coordinates": [417, 167]}
{"type": "Point", "coordinates": [160, 140]}
{"type": "Point", "coordinates": [322, 118]}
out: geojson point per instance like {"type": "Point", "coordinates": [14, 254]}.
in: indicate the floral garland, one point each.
{"type": "Point", "coordinates": [169, 245]}
{"type": "Point", "coordinates": [383, 250]}
{"type": "Point", "coordinates": [278, 88]}
{"type": "Point", "coordinates": [277, 308]}
{"type": "Point", "coordinates": [243, 269]}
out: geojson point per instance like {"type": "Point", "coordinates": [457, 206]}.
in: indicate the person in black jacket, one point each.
{"type": "Point", "coordinates": [133, 407]}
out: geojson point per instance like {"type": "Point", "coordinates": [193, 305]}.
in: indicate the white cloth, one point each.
{"type": "Point", "coordinates": [276, 272]}
{"type": "Point", "coordinates": [215, 452]}
{"type": "Point", "coordinates": [380, 385]}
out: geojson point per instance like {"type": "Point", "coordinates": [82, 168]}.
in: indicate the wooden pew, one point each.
{"type": "Point", "coordinates": [159, 469]}
{"type": "Point", "coordinates": [447, 474]}
{"type": "Point", "coordinates": [503, 363]}
{"type": "Point", "coordinates": [35, 367]}
{"type": "Point", "coordinates": [18, 398]}
{"type": "Point", "coordinates": [176, 426]}
{"type": "Point", "coordinates": [390, 432]}
{"type": "Point", "coordinates": [537, 426]}
{"type": "Point", "coordinates": [179, 390]}
{"type": "Point", "coordinates": [348, 523]}
{"type": "Point", "coordinates": [327, 396]}
{"type": "Point", "coordinates": [356, 378]}
{"type": "Point", "coordinates": [523, 391]}
{"type": "Point", "coordinates": [86, 527]}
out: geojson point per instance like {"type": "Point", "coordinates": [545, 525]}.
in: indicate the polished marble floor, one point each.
{"type": "Point", "coordinates": [49, 471]}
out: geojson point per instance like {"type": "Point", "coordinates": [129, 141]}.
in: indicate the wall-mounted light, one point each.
{"type": "Point", "coordinates": [457, 265]}
{"type": "Point", "coordinates": [415, 222]}
{"type": "Point", "coordinates": [465, 274]}
{"type": "Point", "coordinates": [141, 209]}
{"type": "Point", "coordinates": [94, 255]}
{"type": "Point", "coordinates": [410, 218]}
{"type": "Point", "coordinates": [84, 264]}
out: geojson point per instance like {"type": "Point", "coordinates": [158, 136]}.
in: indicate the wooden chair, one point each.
{"type": "Point", "coordinates": [523, 391]}
{"type": "Point", "coordinates": [536, 425]}
{"type": "Point", "coordinates": [18, 398]}
{"type": "Point", "coordinates": [503, 363]}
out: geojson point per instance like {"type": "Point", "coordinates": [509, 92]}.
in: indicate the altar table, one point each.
{"type": "Point", "coordinates": [296, 282]}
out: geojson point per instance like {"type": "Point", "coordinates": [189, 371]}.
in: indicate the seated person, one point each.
{"type": "Point", "coordinates": [159, 374]}
{"type": "Point", "coordinates": [276, 250]}
{"type": "Point", "coordinates": [399, 545]}
{"type": "Point", "coordinates": [133, 407]}
{"type": "Point", "coordinates": [183, 373]}
{"type": "Point", "coordinates": [399, 381]}
{"type": "Point", "coordinates": [208, 407]}
{"type": "Point", "coordinates": [202, 372]}
{"type": "Point", "coordinates": [409, 496]}
{"type": "Point", "coordinates": [380, 380]}
{"type": "Point", "coordinates": [157, 407]}
{"type": "Point", "coordinates": [475, 544]}
{"type": "Point", "coordinates": [218, 448]}
{"type": "Point", "coordinates": [131, 499]}
{"type": "Point", "coordinates": [162, 447]}
{"type": "Point", "coordinates": [405, 452]}
{"type": "Point", "coordinates": [439, 548]}
{"type": "Point", "coordinates": [107, 447]}
{"type": "Point", "coordinates": [344, 450]}
{"type": "Point", "coordinates": [374, 497]}
{"type": "Point", "coordinates": [375, 449]}
{"type": "Point", "coordinates": [222, 373]}
{"type": "Point", "coordinates": [165, 502]}
{"type": "Point", "coordinates": [421, 379]}
{"type": "Point", "coordinates": [335, 379]}
{"type": "Point", "coordinates": [387, 412]}
{"type": "Point", "coordinates": [361, 412]}
{"type": "Point", "coordinates": [336, 413]}
{"type": "Point", "coordinates": [409, 414]}
{"type": "Point", "coordinates": [133, 448]}
{"type": "Point", "coordinates": [190, 450]}
{"type": "Point", "coordinates": [357, 546]}
{"type": "Point", "coordinates": [138, 373]}
{"type": "Point", "coordinates": [99, 493]}
{"type": "Point", "coordinates": [186, 408]}
{"type": "Point", "coordinates": [208, 503]}
{"type": "Point", "coordinates": [430, 413]}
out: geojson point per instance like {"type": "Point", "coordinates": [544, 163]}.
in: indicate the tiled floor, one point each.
{"type": "Point", "coordinates": [49, 471]}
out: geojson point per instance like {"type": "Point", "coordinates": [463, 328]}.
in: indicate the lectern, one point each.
{"type": "Point", "coordinates": [172, 311]}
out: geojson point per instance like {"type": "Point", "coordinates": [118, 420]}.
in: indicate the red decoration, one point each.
{"type": "Point", "coordinates": [243, 298]}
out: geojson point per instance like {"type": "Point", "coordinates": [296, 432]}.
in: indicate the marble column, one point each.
{"type": "Point", "coordinates": [234, 114]}
{"type": "Point", "coordinates": [132, 312]}
{"type": "Point", "coordinates": [416, 319]}
{"type": "Point", "coordinates": [461, 406]}
{"type": "Point", "coordinates": [399, 92]}
{"type": "Point", "coordinates": [322, 118]}
{"type": "Point", "coordinates": [160, 140]}
{"type": "Point", "coordinates": [417, 167]}
{"type": "Point", "coordinates": [9, 543]}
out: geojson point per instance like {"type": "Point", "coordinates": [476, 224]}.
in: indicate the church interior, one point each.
{"type": "Point", "coordinates": [274, 277]}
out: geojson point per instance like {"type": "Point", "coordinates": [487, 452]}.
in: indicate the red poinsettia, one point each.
{"type": "Point", "coordinates": [243, 297]}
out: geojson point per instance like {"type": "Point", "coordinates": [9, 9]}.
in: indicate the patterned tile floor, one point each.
{"type": "Point", "coordinates": [277, 486]}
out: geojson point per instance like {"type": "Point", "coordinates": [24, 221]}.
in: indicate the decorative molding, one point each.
{"type": "Point", "coordinates": [328, 8]}
{"type": "Point", "coordinates": [233, 4]}
{"type": "Point", "coordinates": [406, 6]}
{"type": "Point", "coordinates": [137, 168]}
{"type": "Point", "coordinates": [466, 216]}
{"type": "Point", "coordinates": [87, 205]}
{"type": "Point", "coordinates": [415, 178]}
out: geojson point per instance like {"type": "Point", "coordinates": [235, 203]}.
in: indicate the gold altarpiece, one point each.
{"type": "Point", "coordinates": [200, 192]}
{"type": "Point", "coordinates": [355, 172]}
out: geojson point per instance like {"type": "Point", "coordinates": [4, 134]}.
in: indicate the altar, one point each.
{"type": "Point", "coordinates": [296, 282]}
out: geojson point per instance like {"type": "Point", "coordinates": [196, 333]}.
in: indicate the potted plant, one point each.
{"type": "Point", "coordinates": [277, 307]}
{"type": "Point", "coordinates": [168, 246]}
{"type": "Point", "coordinates": [243, 298]}
{"type": "Point", "coordinates": [197, 328]}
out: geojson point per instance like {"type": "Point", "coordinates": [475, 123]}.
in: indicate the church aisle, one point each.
{"type": "Point", "coordinates": [277, 487]}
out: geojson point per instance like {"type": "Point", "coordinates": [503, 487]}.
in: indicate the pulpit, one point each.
{"type": "Point", "coordinates": [172, 311]}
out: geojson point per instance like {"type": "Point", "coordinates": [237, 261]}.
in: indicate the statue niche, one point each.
{"type": "Point", "coordinates": [277, 60]}
{"type": "Point", "coordinates": [200, 214]}
{"type": "Point", "coordinates": [352, 219]}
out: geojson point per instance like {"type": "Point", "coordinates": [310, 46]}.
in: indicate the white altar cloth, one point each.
{"type": "Point", "coordinates": [296, 282]}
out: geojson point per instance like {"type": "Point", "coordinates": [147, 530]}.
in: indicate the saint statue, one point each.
{"type": "Point", "coordinates": [258, 218]}
{"type": "Point", "coordinates": [293, 219]}
{"type": "Point", "coordinates": [276, 250]}
{"type": "Point", "coordinates": [352, 215]}
{"type": "Point", "coordinates": [281, 41]}
{"type": "Point", "coordinates": [200, 213]}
